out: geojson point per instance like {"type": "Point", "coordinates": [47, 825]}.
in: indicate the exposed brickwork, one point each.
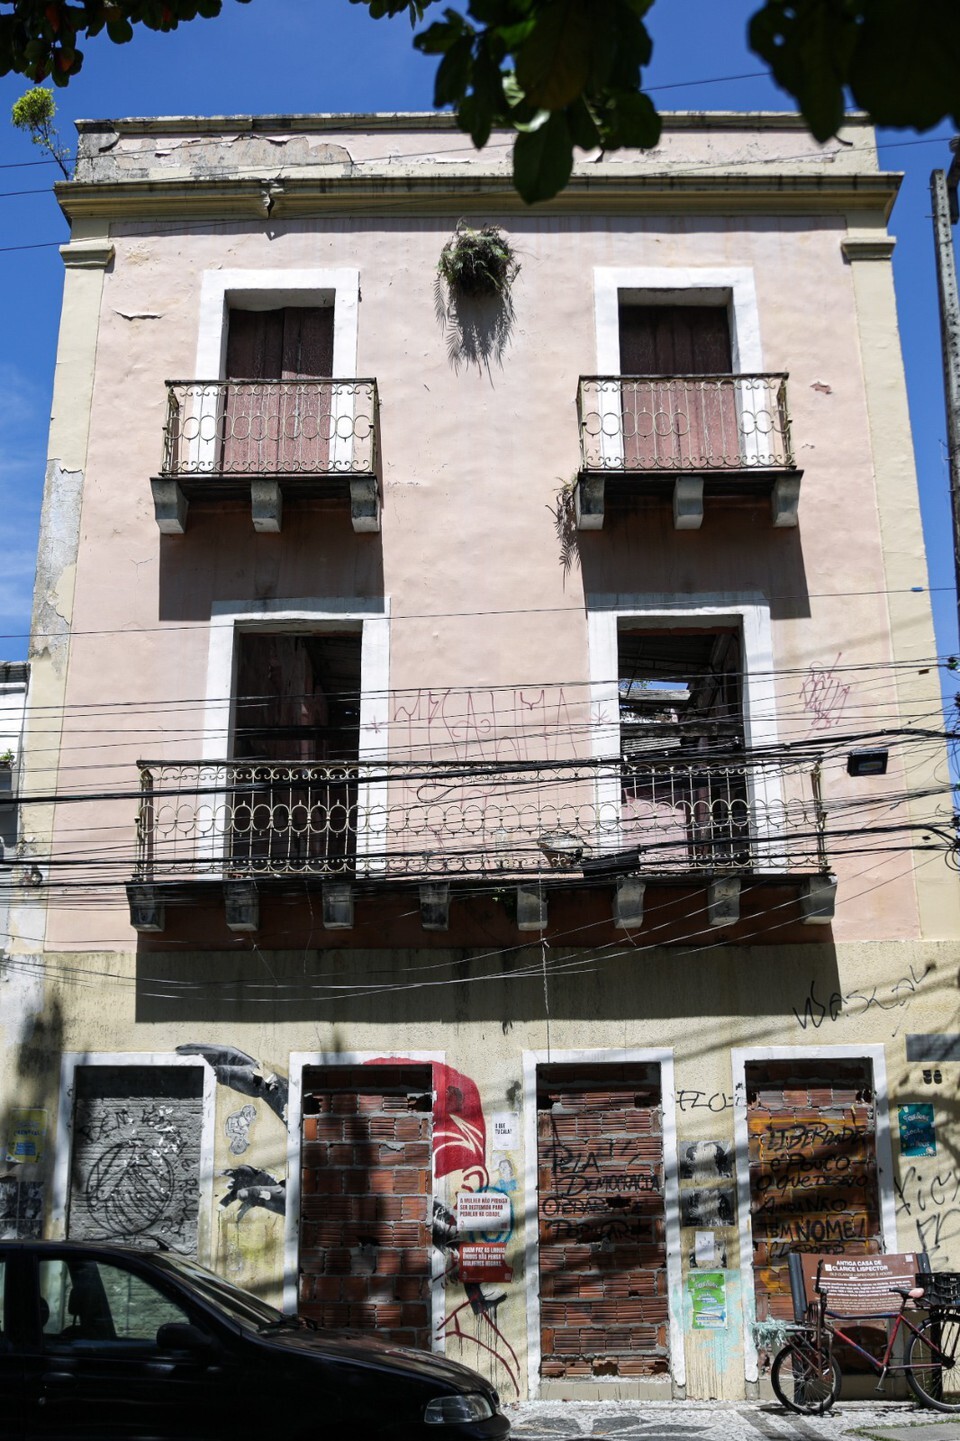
{"type": "Point", "coordinates": [813, 1176]}
{"type": "Point", "coordinates": [603, 1279]}
{"type": "Point", "coordinates": [366, 1201]}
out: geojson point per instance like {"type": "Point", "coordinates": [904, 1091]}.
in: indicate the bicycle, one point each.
{"type": "Point", "coordinates": [805, 1374]}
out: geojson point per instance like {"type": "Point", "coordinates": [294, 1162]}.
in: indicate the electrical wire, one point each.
{"type": "Point", "coordinates": [390, 208]}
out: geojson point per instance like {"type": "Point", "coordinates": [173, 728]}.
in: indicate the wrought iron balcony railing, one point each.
{"type": "Point", "coordinates": [684, 423]}
{"type": "Point", "coordinates": [222, 428]}
{"type": "Point", "coordinates": [443, 820]}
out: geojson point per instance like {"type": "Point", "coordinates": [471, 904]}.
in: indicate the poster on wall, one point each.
{"type": "Point", "coordinates": [705, 1161]}
{"type": "Point", "coordinates": [713, 1207]}
{"type": "Point", "coordinates": [483, 1211]}
{"type": "Point", "coordinates": [504, 1130]}
{"type": "Point", "coordinates": [917, 1134]}
{"type": "Point", "coordinates": [28, 1130]}
{"type": "Point", "coordinates": [705, 1249]}
{"type": "Point", "coordinates": [857, 1285]}
{"type": "Point", "coordinates": [708, 1300]}
{"type": "Point", "coordinates": [484, 1263]}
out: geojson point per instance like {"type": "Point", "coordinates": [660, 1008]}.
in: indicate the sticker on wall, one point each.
{"type": "Point", "coordinates": [237, 1127]}
{"type": "Point", "coordinates": [484, 1263]}
{"type": "Point", "coordinates": [483, 1211]}
{"type": "Point", "coordinates": [917, 1134]}
{"type": "Point", "coordinates": [21, 1209]}
{"type": "Point", "coordinates": [705, 1161]}
{"type": "Point", "coordinates": [709, 1209]}
{"type": "Point", "coordinates": [28, 1131]}
{"type": "Point", "coordinates": [705, 1249]}
{"type": "Point", "coordinates": [708, 1300]}
{"type": "Point", "coordinates": [504, 1130]}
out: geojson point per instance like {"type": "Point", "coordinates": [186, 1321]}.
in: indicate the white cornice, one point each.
{"type": "Point", "coordinates": [356, 190]}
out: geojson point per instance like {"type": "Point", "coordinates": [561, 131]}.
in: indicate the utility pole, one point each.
{"type": "Point", "coordinates": [943, 193]}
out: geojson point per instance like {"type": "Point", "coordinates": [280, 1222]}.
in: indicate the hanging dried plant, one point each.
{"type": "Point", "coordinates": [478, 262]}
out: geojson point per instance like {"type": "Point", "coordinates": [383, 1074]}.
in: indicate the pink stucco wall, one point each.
{"type": "Point", "coordinates": [473, 461]}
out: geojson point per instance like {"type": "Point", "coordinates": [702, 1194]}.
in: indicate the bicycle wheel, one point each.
{"type": "Point", "coordinates": [933, 1365]}
{"type": "Point", "coordinates": [805, 1379]}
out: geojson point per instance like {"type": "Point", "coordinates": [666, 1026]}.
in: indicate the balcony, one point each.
{"type": "Point", "coordinates": [726, 434]}
{"type": "Point", "coordinates": [269, 440]}
{"type": "Point", "coordinates": [528, 826]}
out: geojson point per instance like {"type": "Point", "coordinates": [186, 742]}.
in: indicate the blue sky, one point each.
{"type": "Point", "coordinates": [278, 56]}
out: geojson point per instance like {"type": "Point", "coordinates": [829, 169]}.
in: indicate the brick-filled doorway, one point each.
{"type": "Point", "coordinates": [812, 1126]}
{"type": "Point", "coordinates": [602, 1236]}
{"type": "Point", "coordinates": [366, 1199]}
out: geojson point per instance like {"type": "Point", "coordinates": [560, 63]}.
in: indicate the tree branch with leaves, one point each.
{"type": "Point", "coordinates": [34, 112]}
{"type": "Point", "coordinates": [567, 75]}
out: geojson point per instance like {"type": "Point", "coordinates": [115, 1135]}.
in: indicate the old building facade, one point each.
{"type": "Point", "coordinates": [482, 871]}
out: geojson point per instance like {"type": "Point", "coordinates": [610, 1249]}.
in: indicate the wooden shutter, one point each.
{"type": "Point", "coordinates": [278, 429]}
{"type": "Point", "coordinates": [674, 340]}
{"type": "Point", "coordinates": [689, 424]}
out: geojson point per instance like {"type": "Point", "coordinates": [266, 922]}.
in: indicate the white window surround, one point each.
{"type": "Point", "coordinates": [70, 1063]}
{"type": "Point", "coordinates": [308, 1060]}
{"type": "Point", "coordinates": [733, 286]}
{"type": "Point", "coordinates": [371, 620]}
{"type": "Point", "coordinates": [269, 290]}
{"type": "Point", "coordinates": [740, 1057]}
{"type": "Point", "coordinates": [613, 1056]}
{"type": "Point", "coordinates": [678, 285]}
{"type": "Point", "coordinates": [748, 611]}
{"type": "Point", "coordinates": [370, 617]}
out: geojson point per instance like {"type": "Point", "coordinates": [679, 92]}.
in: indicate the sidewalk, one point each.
{"type": "Point", "coordinates": [726, 1421]}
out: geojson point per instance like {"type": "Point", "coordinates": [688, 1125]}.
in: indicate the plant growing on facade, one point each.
{"type": "Point", "coordinates": [6, 758]}
{"type": "Point", "coordinates": [564, 512]}
{"type": "Point", "coordinates": [472, 299]}
{"type": "Point", "coordinates": [35, 112]}
{"type": "Point", "coordinates": [479, 262]}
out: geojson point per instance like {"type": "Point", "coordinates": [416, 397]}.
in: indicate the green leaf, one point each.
{"type": "Point", "coordinates": [905, 69]}
{"type": "Point", "coordinates": [475, 119]}
{"type": "Point", "coordinates": [632, 119]}
{"type": "Point", "coordinates": [379, 8]}
{"type": "Point", "coordinates": [543, 160]}
{"type": "Point", "coordinates": [621, 47]}
{"type": "Point", "coordinates": [583, 125]}
{"type": "Point", "coordinates": [554, 61]}
{"type": "Point", "coordinates": [512, 89]}
{"type": "Point", "coordinates": [453, 73]}
{"type": "Point", "coordinates": [438, 37]}
{"type": "Point", "coordinates": [808, 45]}
{"type": "Point", "coordinates": [120, 31]}
{"type": "Point", "coordinates": [501, 13]}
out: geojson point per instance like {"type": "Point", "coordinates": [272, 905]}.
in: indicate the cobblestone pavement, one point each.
{"type": "Point", "coordinates": [718, 1421]}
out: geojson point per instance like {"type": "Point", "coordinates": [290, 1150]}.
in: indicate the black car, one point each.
{"type": "Point", "coordinates": [104, 1342]}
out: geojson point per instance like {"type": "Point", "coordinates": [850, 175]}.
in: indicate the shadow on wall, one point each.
{"type": "Point", "coordinates": [317, 540]}
{"type": "Point", "coordinates": [27, 1119]}
{"type": "Point", "coordinates": [476, 328]}
{"type": "Point", "coordinates": [794, 986]}
{"type": "Point", "coordinates": [736, 549]}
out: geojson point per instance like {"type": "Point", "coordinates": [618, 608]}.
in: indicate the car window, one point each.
{"type": "Point", "coordinates": [87, 1301]}
{"type": "Point", "coordinates": [239, 1305]}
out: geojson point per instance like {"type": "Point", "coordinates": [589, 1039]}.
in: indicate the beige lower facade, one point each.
{"type": "Point", "coordinates": [577, 1170]}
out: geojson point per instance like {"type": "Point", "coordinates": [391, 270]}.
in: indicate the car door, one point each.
{"type": "Point", "coordinates": [103, 1374]}
{"type": "Point", "coordinates": [14, 1404]}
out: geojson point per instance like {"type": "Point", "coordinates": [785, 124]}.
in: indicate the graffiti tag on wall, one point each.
{"type": "Point", "coordinates": [136, 1157]}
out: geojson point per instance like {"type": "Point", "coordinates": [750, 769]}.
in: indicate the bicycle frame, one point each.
{"type": "Point", "coordinates": [883, 1366]}
{"type": "Point", "coordinates": [826, 1325]}
{"type": "Point", "coordinates": [806, 1377]}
